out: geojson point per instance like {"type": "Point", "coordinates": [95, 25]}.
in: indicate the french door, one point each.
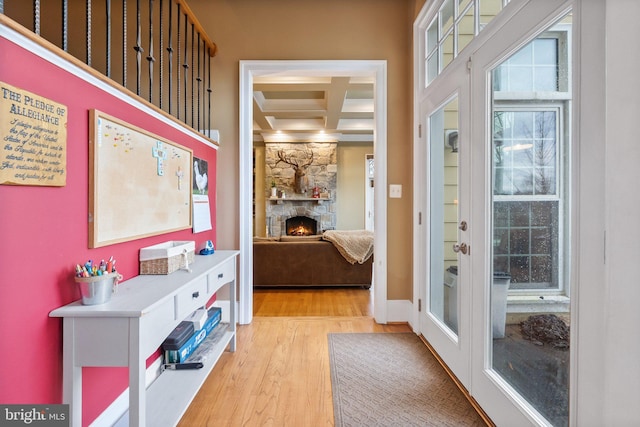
{"type": "Point", "coordinates": [492, 191]}
{"type": "Point", "coordinates": [444, 268]}
{"type": "Point", "coordinates": [522, 114]}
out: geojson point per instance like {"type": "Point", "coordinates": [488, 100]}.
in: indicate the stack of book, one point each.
{"type": "Point", "coordinates": [184, 339]}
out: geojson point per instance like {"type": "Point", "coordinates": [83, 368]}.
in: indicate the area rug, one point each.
{"type": "Point", "coordinates": [391, 379]}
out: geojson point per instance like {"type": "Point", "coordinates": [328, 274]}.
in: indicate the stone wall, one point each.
{"type": "Point", "coordinates": [322, 171]}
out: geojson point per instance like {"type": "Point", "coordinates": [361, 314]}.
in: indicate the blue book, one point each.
{"type": "Point", "coordinates": [181, 354]}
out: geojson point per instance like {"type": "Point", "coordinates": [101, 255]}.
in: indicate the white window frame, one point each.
{"type": "Point", "coordinates": [544, 101]}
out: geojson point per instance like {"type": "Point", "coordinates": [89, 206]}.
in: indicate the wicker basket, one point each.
{"type": "Point", "coordinates": [166, 258]}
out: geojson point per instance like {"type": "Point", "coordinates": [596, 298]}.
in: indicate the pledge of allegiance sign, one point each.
{"type": "Point", "coordinates": [33, 139]}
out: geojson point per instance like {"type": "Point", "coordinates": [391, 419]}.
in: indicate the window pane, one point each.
{"type": "Point", "coordinates": [546, 78]}
{"type": "Point", "coordinates": [546, 51]}
{"type": "Point", "coordinates": [488, 10]}
{"type": "Point", "coordinates": [522, 125]}
{"type": "Point", "coordinates": [432, 67]}
{"type": "Point", "coordinates": [519, 79]}
{"type": "Point", "coordinates": [446, 50]}
{"type": "Point", "coordinates": [522, 182]}
{"type": "Point", "coordinates": [545, 125]}
{"type": "Point", "coordinates": [466, 29]}
{"type": "Point", "coordinates": [446, 16]}
{"type": "Point", "coordinates": [432, 36]}
{"type": "Point", "coordinates": [523, 57]}
{"type": "Point", "coordinates": [545, 181]}
{"type": "Point", "coordinates": [535, 67]}
{"type": "Point", "coordinates": [525, 242]}
{"type": "Point", "coordinates": [525, 152]}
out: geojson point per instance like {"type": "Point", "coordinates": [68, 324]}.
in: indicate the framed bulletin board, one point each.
{"type": "Point", "coordinates": [139, 183]}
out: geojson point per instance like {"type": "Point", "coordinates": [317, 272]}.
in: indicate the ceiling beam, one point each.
{"type": "Point", "coordinates": [335, 100]}
{"type": "Point", "coordinates": [259, 117]}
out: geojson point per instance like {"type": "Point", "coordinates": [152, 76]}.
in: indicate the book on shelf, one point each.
{"type": "Point", "coordinates": [178, 350]}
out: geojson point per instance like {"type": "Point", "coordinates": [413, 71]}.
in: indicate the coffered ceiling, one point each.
{"type": "Point", "coordinates": [313, 109]}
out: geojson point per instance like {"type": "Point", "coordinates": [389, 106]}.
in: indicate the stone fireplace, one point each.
{"type": "Point", "coordinates": [280, 211]}
{"type": "Point", "coordinates": [321, 173]}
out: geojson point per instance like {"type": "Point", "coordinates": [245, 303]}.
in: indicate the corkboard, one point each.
{"type": "Point", "coordinates": [33, 139]}
{"type": "Point", "coordinates": [139, 183]}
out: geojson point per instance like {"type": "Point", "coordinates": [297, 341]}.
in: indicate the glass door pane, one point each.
{"type": "Point", "coordinates": [530, 251]}
{"type": "Point", "coordinates": [443, 214]}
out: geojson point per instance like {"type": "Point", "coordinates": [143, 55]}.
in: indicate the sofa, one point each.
{"type": "Point", "coordinates": [306, 262]}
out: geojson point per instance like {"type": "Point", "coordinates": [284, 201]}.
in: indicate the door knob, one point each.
{"type": "Point", "coordinates": [463, 226]}
{"type": "Point", "coordinates": [462, 247]}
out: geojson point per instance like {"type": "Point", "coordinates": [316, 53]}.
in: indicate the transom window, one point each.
{"type": "Point", "coordinates": [452, 29]}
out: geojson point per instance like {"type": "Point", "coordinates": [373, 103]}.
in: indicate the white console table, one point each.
{"type": "Point", "coordinates": [130, 327]}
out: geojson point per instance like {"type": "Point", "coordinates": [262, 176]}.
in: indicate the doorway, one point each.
{"type": "Point", "coordinates": [375, 70]}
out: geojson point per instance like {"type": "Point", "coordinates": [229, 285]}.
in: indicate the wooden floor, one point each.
{"type": "Point", "coordinates": [342, 302]}
{"type": "Point", "coordinates": [279, 374]}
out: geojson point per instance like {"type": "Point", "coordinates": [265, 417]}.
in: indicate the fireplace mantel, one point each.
{"type": "Point", "coordinates": [280, 200]}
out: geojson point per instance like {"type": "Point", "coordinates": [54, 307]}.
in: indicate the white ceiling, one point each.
{"type": "Point", "coordinates": [313, 109]}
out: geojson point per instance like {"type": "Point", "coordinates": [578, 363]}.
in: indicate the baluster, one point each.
{"type": "Point", "coordinates": [108, 6]}
{"type": "Point", "coordinates": [65, 25]}
{"type": "Point", "coordinates": [36, 16]}
{"type": "Point", "coordinates": [138, 48]}
{"type": "Point", "coordinates": [192, 69]}
{"type": "Point", "coordinates": [199, 80]}
{"type": "Point", "coordinates": [178, 65]}
{"type": "Point", "coordinates": [170, 50]}
{"type": "Point", "coordinates": [89, 32]}
{"type": "Point", "coordinates": [124, 43]}
{"type": "Point", "coordinates": [185, 65]}
{"type": "Point", "coordinates": [209, 97]}
{"type": "Point", "coordinates": [161, 50]}
{"type": "Point", "coordinates": [150, 57]}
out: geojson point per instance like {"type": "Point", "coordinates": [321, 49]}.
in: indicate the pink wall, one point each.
{"type": "Point", "coordinates": [44, 233]}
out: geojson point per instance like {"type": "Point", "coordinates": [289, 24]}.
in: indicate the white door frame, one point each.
{"type": "Point", "coordinates": [378, 71]}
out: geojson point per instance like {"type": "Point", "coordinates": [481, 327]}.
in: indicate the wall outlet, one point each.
{"type": "Point", "coordinates": [395, 191]}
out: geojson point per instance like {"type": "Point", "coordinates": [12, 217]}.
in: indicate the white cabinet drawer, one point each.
{"type": "Point", "coordinates": [191, 297]}
{"type": "Point", "coordinates": [222, 275]}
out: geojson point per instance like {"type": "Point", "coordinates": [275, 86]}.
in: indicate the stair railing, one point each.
{"type": "Point", "coordinates": [169, 47]}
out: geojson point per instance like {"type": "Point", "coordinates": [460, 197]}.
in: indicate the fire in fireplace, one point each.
{"type": "Point", "coordinates": [301, 226]}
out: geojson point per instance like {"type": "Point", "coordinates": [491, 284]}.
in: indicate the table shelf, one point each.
{"type": "Point", "coordinates": [128, 328]}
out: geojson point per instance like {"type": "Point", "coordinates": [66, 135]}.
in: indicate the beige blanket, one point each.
{"type": "Point", "coordinates": [354, 245]}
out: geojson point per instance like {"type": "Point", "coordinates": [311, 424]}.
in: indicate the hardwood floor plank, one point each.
{"type": "Point", "coordinates": [313, 302]}
{"type": "Point", "coordinates": [279, 375]}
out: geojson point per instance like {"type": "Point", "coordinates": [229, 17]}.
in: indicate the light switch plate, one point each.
{"type": "Point", "coordinates": [395, 191]}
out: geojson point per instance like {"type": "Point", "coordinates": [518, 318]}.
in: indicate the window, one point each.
{"type": "Point", "coordinates": [530, 116]}
{"type": "Point", "coordinates": [454, 26]}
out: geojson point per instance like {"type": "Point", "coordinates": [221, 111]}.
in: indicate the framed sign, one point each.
{"type": "Point", "coordinates": [33, 139]}
{"type": "Point", "coordinates": [139, 183]}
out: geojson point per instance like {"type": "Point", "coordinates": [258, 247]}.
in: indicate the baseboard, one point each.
{"type": "Point", "coordinates": [113, 416]}
{"type": "Point", "coordinates": [399, 311]}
